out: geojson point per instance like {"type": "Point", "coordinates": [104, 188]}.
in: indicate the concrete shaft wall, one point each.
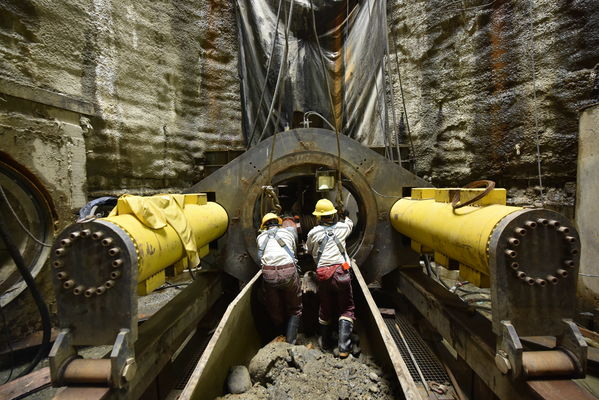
{"type": "Point", "coordinates": [162, 77]}
{"type": "Point", "coordinates": [467, 74]}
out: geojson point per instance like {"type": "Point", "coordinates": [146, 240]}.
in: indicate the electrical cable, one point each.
{"type": "Point", "coordinates": [39, 301]}
{"type": "Point", "coordinates": [10, 348]}
{"type": "Point", "coordinates": [280, 74]}
{"type": "Point", "coordinates": [333, 111]}
{"type": "Point", "coordinates": [19, 221]}
{"type": "Point", "coordinates": [308, 113]}
{"type": "Point", "coordinates": [534, 98]}
{"type": "Point", "coordinates": [272, 52]}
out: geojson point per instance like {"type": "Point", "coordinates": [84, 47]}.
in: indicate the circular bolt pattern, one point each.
{"type": "Point", "coordinates": [117, 263]}
{"type": "Point", "coordinates": [554, 223]}
{"type": "Point", "coordinates": [62, 275]}
{"type": "Point", "coordinates": [59, 252]}
{"type": "Point", "coordinates": [520, 275]}
{"type": "Point", "coordinates": [563, 229]}
{"type": "Point", "coordinates": [106, 242]}
{"type": "Point", "coordinates": [109, 284]}
{"type": "Point", "coordinates": [114, 251]}
{"type": "Point", "coordinates": [100, 290]}
{"type": "Point", "coordinates": [97, 235]}
{"type": "Point", "coordinates": [89, 292]}
{"type": "Point", "coordinates": [529, 280]}
{"type": "Point", "coordinates": [115, 274]}
{"type": "Point", "coordinates": [85, 233]}
{"type": "Point", "coordinates": [514, 265]}
{"type": "Point", "coordinates": [543, 221]}
{"type": "Point", "coordinates": [65, 242]}
{"type": "Point", "coordinates": [552, 279]}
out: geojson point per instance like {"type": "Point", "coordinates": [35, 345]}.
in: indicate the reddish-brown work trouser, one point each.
{"type": "Point", "coordinates": [335, 295]}
{"type": "Point", "coordinates": [282, 292]}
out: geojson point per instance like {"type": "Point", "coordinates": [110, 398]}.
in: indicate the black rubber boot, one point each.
{"type": "Point", "coordinates": [345, 330]}
{"type": "Point", "coordinates": [324, 340]}
{"type": "Point", "coordinates": [292, 327]}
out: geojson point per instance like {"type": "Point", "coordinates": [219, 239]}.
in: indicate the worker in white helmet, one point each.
{"type": "Point", "coordinates": [326, 243]}
{"type": "Point", "coordinates": [282, 290]}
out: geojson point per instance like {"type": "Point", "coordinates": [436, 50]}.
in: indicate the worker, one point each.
{"type": "Point", "coordinates": [281, 283]}
{"type": "Point", "coordinates": [326, 243]}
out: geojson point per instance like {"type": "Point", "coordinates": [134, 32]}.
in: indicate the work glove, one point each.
{"type": "Point", "coordinates": [343, 213]}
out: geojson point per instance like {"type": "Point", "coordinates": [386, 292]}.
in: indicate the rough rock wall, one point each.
{"type": "Point", "coordinates": [467, 71]}
{"type": "Point", "coordinates": [162, 76]}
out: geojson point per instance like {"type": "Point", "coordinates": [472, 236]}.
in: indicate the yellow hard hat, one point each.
{"type": "Point", "coordinates": [268, 217]}
{"type": "Point", "coordinates": [324, 207]}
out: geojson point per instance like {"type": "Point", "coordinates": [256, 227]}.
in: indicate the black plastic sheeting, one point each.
{"type": "Point", "coordinates": [353, 41]}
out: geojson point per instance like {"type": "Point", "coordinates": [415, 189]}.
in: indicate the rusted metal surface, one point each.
{"type": "Point", "coordinates": [559, 390]}
{"type": "Point", "coordinates": [550, 363]}
{"type": "Point", "coordinates": [237, 187]}
{"type": "Point", "coordinates": [95, 372]}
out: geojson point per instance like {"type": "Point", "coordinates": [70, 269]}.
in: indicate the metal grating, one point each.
{"type": "Point", "coordinates": [431, 368]}
{"type": "Point", "coordinates": [191, 365]}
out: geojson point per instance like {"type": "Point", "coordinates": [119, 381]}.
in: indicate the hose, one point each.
{"type": "Point", "coordinates": [37, 297]}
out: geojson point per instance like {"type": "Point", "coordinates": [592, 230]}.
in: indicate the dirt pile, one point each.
{"type": "Point", "coordinates": [284, 372]}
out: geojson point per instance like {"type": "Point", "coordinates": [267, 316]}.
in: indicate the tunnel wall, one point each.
{"type": "Point", "coordinates": [467, 76]}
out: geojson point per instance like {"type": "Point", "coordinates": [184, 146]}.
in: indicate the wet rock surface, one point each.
{"type": "Point", "coordinates": [282, 371]}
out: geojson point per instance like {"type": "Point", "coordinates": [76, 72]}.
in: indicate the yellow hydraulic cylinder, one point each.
{"type": "Point", "coordinates": [461, 234]}
{"type": "Point", "coordinates": [172, 230]}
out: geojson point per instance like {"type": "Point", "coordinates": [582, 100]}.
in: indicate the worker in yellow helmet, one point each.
{"type": "Point", "coordinates": [326, 243]}
{"type": "Point", "coordinates": [282, 290]}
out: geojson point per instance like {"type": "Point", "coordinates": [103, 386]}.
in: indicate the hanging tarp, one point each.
{"type": "Point", "coordinates": [352, 38]}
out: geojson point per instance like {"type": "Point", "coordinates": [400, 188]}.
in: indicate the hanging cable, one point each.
{"type": "Point", "coordinates": [272, 52]}
{"type": "Point", "coordinates": [39, 301]}
{"type": "Point", "coordinates": [280, 74]}
{"type": "Point", "coordinates": [19, 220]}
{"type": "Point", "coordinates": [534, 98]}
{"type": "Point", "coordinates": [339, 199]}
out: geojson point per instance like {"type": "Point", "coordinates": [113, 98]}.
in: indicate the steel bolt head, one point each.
{"type": "Point", "coordinates": [531, 224]}
{"type": "Point", "coordinates": [106, 242]}
{"type": "Point", "coordinates": [520, 231]}
{"type": "Point", "coordinates": [555, 224]}
{"type": "Point", "coordinates": [57, 264]}
{"type": "Point", "coordinates": [65, 242]}
{"type": "Point", "coordinates": [117, 263]}
{"type": "Point", "coordinates": [62, 275]}
{"type": "Point", "coordinates": [529, 280]}
{"type": "Point", "coordinates": [89, 292]}
{"type": "Point", "coordinates": [74, 235]}
{"type": "Point", "coordinates": [570, 239]}
{"type": "Point", "coordinates": [511, 253]}
{"type": "Point", "coordinates": [563, 229]}
{"type": "Point", "coordinates": [541, 282]}
{"type": "Point", "coordinates": [59, 252]}
{"type": "Point", "coordinates": [562, 273]}
{"type": "Point", "coordinates": [78, 290]}
{"type": "Point", "coordinates": [502, 363]}
{"type": "Point", "coordinates": [574, 251]}
{"type": "Point", "coordinates": [100, 290]}
{"type": "Point", "coordinates": [114, 251]}
{"type": "Point", "coordinates": [129, 370]}
{"type": "Point", "coordinates": [68, 284]}
{"type": "Point", "coordinates": [515, 265]}
{"type": "Point", "coordinates": [543, 221]}
{"type": "Point", "coordinates": [514, 242]}
{"type": "Point", "coordinates": [115, 274]}
{"type": "Point", "coordinates": [109, 284]}
{"type": "Point", "coordinates": [552, 279]}
{"type": "Point", "coordinates": [569, 263]}
{"type": "Point", "coordinates": [97, 235]}
{"type": "Point", "coordinates": [85, 233]}
{"type": "Point", "coordinates": [521, 275]}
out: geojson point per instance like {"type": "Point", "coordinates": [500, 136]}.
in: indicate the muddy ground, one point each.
{"type": "Point", "coordinates": [282, 371]}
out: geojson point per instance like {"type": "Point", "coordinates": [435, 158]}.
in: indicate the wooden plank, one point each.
{"type": "Point", "coordinates": [559, 390]}
{"type": "Point", "coordinates": [33, 340]}
{"type": "Point", "coordinates": [234, 342]}
{"type": "Point", "coordinates": [25, 384]}
{"type": "Point", "coordinates": [409, 387]}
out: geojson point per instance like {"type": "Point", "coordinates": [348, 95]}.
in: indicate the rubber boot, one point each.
{"type": "Point", "coordinates": [345, 330]}
{"type": "Point", "coordinates": [324, 340]}
{"type": "Point", "coordinates": [292, 327]}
